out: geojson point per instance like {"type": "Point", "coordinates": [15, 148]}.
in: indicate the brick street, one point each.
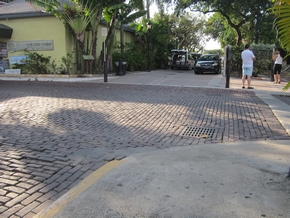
{"type": "Point", "coordinates": [54, 134]}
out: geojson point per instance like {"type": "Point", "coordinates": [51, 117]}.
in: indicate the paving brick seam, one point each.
{"type": "Point", "coordinates": [54, 134]}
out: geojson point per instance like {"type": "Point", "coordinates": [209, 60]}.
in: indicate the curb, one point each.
{"type": "Point", "coordinates": [56, 206]}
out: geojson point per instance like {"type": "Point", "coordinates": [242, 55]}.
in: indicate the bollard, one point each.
{"type": "Point", "coordinates": [228, 65]}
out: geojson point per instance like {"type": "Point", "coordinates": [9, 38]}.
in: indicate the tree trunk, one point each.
{"type": "Point", "coordinates": [110, 33]}
{"type": "Point", "coordinates": [122, 41]}
{"type": "Point", "coordinates": [235, 26]}
{"type": "Point", "coordinates": [95, 39]}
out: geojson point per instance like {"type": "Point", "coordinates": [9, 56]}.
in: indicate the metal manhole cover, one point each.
{"type": "Point", "coordinates": [199, 132]}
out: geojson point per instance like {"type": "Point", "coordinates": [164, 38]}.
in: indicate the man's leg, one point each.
{"type": "Point", "coordinates": [250, 72]}
{"type": "Point", "coordinates": [249, 81]}
{"type": "Point", "coordinates": [243, 81]}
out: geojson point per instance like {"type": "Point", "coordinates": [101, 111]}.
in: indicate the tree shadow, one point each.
{"type": "Point", "coordinates": [54, 134]}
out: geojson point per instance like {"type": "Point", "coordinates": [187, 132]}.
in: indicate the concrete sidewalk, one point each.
{"type": "Point", "coordinates": [213, 180]}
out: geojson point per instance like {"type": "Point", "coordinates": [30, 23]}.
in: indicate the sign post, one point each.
{"type": "Point", "coordinates": [104, 33]}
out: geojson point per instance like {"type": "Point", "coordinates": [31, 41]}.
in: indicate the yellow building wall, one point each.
{"type": "Point", "coordinates": [51, 28]}
{"type": "Point", "coordinates": [38, 28]}
{"type": "Point", "coordinates": [129, 37]}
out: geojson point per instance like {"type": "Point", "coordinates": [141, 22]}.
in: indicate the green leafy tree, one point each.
{"type": "Point", "coordinates": [165, 31]}
{"type": "Point", "coordinates": [117, 15]}
{"type": "Point", "coordinates": [188, 31]}
{"type": "Point", "coordinates": [281, 10]}
{"type": "Point", "coordinates": [85, 15]}
{"type": "Point", "coordinates": [78, 14]}
{"type": "Point", "coordinates": [244, 17]}
{"type": "Point", "coordinates": [217, 28]}
{"type": "Point", "coordinates": [161, 40]}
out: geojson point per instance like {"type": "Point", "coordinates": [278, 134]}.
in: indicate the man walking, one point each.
{"type": "Point", "coordinates": [248, 58]}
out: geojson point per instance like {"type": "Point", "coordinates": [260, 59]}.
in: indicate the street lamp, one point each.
{"type": "Point", "coordinates": [148, 35]}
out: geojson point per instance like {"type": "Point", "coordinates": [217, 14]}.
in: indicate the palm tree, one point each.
{"type": "Point", "coordinates": [118, 15]}
{"type": "Point", "coordinates": [77, 14]}
{"type": "Point", "coordinates": [81, 14]}
{"type": "Point", "coordinates": [281, 10]}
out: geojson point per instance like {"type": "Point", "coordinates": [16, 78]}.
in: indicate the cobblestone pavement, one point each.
{"type": "Point", "coordinates": [53, 134]}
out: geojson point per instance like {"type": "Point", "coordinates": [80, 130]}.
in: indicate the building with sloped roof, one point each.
{"type": "Point", "coordinates": [25, 26]}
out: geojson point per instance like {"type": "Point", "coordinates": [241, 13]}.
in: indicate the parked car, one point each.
{"type": "Point", "coordinates": [182, 59]}
{"type": "Point", "coordinates": [208, 63]}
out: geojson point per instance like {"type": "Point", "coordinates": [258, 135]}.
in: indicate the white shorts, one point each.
{"type": "Point", "coordinates": [247, 71]}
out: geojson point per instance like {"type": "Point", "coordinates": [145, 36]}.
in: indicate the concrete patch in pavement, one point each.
{"type": "Point", "coordinates": [234, 180]}
{"type": "Point", "coordinates": [77, 190]}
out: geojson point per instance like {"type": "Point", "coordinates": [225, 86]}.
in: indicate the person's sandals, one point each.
{"type": "Point", "coordinates": [250, 87]}
{"type": "Point", "coordinates": [243, 87]}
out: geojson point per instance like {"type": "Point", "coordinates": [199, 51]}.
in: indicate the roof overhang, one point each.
{"type": "Point", "coordinates": [24, 15]}
{"type": "Point", "coordinates": [5, 31]}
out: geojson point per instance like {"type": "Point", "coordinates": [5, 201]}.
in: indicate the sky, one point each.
{"type": "Point", "coordinates": [210, 45]}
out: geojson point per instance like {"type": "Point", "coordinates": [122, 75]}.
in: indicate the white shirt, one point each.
{"type": "Point", "coordinates": [247, 56]}
{"type": "Point", "coordinates": [279, 59]}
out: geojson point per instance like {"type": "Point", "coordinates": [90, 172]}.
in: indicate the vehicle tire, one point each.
{"type": "Point", "coordinates": [196, 72]}
{"type": "Point", "coordinates": [172, 68]}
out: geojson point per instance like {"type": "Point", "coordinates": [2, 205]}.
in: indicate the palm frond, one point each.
{"type": "Point", "coordinates": [281, 10]}
{"type": "Point", "coordinates": [132, 17]}
{"type": "Point", "coordinates": [79, 16]}
{"type": "Point", "coordinates": [286, 87]}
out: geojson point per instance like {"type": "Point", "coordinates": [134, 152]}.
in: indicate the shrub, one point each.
{"type": "Point", "coordinates": [263, 60]}
{"type": "Point", "coordinates": [134, 56]}
{"type": "Point", "coordinates": [34, 64]}
{"type": "Point", "coordinates": [39, 64]}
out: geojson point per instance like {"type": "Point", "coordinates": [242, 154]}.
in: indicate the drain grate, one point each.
{"type": "Point", "coordinates": [198, 132]}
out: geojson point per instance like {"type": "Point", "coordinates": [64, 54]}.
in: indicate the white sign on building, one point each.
{"type": "Point", "coordinates": [36, 45]}
{"type": "Point", "coordinates": [12, 71]}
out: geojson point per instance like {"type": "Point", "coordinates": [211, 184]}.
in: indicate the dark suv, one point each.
{"type": "Point", "coordinates": [208, 63]}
